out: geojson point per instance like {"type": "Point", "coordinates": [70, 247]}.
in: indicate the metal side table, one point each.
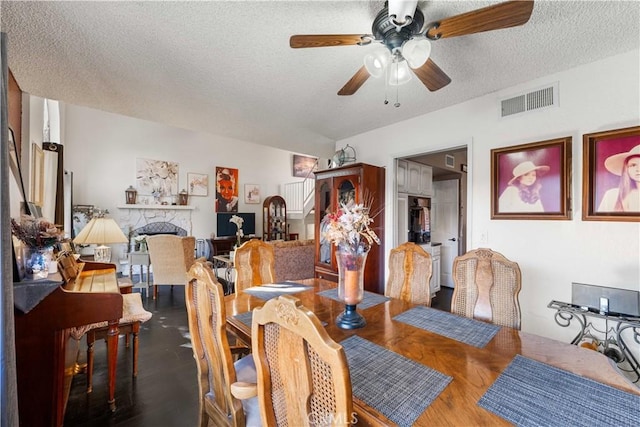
{"type": "Point", "coordinates": [609, 339]}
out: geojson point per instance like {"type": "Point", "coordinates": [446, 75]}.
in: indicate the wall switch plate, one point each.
{"type": "Point", "coordinates": [484, 237]}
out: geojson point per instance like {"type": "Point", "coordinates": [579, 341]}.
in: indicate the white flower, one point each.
{"type": "Point", "coordinates": [237, 220]}
{"type": "Point", "coordinates": [140, 238]}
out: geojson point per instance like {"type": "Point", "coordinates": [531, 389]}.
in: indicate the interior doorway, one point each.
{"type": "Point", "coordinates": [449, 227]}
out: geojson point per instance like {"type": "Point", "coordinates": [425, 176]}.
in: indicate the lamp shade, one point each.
{"type": "Point", "coordinates": [101, 231]}
{"type": "Point", "coordinates": [399, 73]}
{"type": "Point", "coordinates": [416, 52]}
{"type": "Point", "coordinates": [376, 61]}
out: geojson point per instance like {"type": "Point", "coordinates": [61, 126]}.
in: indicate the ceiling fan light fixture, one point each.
{"type": "Point", "coordinates": [416, 52]}
{"type": "Point", "coordinates": [376, 61]}
{"type": "Point", "coordinates": [399, 73]}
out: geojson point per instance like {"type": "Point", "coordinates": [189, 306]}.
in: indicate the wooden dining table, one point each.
{"type": "Point", "coordinates": [473, 370]}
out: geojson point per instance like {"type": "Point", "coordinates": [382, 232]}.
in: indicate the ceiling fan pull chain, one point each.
{"type": "Point", "coordinates": [386, 85]}
{"type": "Point", "coordinates": [397, 104]}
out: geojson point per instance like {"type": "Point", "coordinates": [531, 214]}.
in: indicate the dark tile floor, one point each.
{"type": "Point", "coordinates": [165, 393]}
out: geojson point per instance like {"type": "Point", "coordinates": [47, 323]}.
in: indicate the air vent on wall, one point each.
{"type": "Point", "coordinates": [534, 100]}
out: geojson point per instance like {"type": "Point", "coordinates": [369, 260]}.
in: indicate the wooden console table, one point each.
{"type": "Point", "coordinates": [610, 339]}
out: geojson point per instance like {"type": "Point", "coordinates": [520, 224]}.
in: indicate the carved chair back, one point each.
{"type": "Point", "coordinates": [486, 287]}
{"type": "Point", "coordinates": [409, 274]}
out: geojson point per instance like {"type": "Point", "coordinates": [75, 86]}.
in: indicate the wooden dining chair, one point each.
{"type": "Point", "coordinates": [303, 376]}
{"type": "Point", "coordinates": [171, 257]}
{"type": "Point", "coordinates": [486, 287]}
{"type": "Point", "coordinates": [216, 368]}
{"type": "Point", "coordinates": [254, 263]}
{"type": "Point", "coordinates": [409, 274]}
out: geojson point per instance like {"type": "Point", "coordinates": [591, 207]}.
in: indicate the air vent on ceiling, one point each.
{"type": "Point", "coordinates": [534, 100]}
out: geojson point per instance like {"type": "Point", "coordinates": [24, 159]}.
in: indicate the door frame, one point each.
{"type": "Point", "coordinates": [392, 214]}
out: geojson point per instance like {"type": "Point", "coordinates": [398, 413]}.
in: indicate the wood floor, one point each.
{"type": "Point", "coordinates": [165, 393]}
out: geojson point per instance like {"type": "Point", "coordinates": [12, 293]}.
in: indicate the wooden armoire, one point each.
{"type": "Point", "coordinates": [340, 185]}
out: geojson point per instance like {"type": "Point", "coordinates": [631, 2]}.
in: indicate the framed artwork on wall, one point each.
{"type": "Point", "coordinates": [157, 178]}
{"type": "Point", "coordinates": [304, 166]}
{"type": "Point", "coordinates": [611, 175]}
{"type": "Point", "coordinates": [532, 181]}
{"type": "Point", "coordinates": [226, 189]}
{"type": "Point", "coordinates": [198, 184]}
{"type": "Point", "coordinates": [251, 193]}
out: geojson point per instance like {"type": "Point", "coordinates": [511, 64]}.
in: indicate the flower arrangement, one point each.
{"type": "Point", "coordinates": [348, 228]}
{"type": "Point", "coordinates": [141, 242]}
{"type": "Point", "coordinates": [36, 233]}
{"type": "Point", "coordinates": [238, 221]}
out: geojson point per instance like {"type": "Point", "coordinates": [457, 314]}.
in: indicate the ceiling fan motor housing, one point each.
{"type": "Point", "coordinates": [383, 29]}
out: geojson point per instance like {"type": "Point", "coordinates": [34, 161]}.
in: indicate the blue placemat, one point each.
{"type": "Point", "coordinates": [369, 300]}
{"type": "Point", "coordinates": [468, 331]}
{"type": "Point", "coordinates": [245, 318]}
{"type": "Point", "coordinates": [531, 393]}
{"type": "Point", "coordinates": [274, 290]}
{"type": "Point", "coordinates": [399, 388]}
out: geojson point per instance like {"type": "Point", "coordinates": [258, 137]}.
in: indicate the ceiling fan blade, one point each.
{"type": "Point", "coordinates": [324, 40]}
{"type": "Point", "coordinates": [432, 76]}
{"type": "Point", "coordinates": [355, 82]}
{"type": "Point", "coordinates": [503, 15]}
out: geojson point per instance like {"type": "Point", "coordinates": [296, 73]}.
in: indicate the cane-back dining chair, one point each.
{"type": "Point", "coordinates": [213, 354]}
{"type": "Point", "coordinates": [254, 262]}
{"type": "Point", "coordinates": [303, 376]}
{"type": "Point", "coordinates": [486, 287]}
{"type": "Point", "coordinates": [409, 274]}
{"type": "Point", "coordinates": [171, 257]}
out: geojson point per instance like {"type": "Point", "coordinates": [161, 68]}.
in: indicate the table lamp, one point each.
{"type": "Point", "coordinates": [101, 231]}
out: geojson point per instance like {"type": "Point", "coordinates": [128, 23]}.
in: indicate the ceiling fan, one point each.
{"type": "Point", "coordinates": [399, 28]}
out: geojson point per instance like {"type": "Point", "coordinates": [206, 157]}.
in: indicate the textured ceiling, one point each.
{"type": "Point", "coordinates": [225, 67]}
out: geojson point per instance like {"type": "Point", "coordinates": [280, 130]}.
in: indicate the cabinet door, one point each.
{"type": "Point", "coordinates": [401, 176]}
{"type": "Point", "coordinates": [426, 180]}
{"type": "Point", "coordinates": [323, 207]}
{"type": "Point", "coordinates": [346, 190]}
{"type": "Point", "coordinates": [413, 178]}
{"type": "Point", "coordinates": [402, 232]}
{"type": "Point", "coordinates": [434, 284]}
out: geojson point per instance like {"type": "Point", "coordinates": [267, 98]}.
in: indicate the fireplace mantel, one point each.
{"type": "Point", "coordinates": [161, 207]}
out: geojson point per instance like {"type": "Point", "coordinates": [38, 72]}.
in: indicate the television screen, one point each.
{"type": "Point", "coordinates": [226, 228]}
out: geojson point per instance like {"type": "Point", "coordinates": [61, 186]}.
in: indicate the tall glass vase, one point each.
{"type": "Point", "coordinates": [36, 262]}
{"type": "Point", "coordinates": [351, 262]}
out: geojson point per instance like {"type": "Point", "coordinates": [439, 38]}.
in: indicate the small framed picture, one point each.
{"type": "Point", "coordinates": [197, 184]}
{"type": "Point", "coordinates": [532, 181]}
{"type": "Point", "coordinates": [304, 166]}
{"type": "Point", "coordinates": [251, 193]}
{"type": "Point", "coordinates": [611, 175]}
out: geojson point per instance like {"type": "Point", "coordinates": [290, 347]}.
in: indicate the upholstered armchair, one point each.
{"type": "Point", "coordinates": [171, 257]}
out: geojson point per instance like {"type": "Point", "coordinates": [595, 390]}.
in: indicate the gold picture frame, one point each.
{"type": "Point", "coordinates": [610, 183]}
{"type": "Point", "coordinates": [532, 181]}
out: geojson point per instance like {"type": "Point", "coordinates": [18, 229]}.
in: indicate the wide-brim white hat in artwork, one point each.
{"type": "Point", "coordinates": [615, 163]}
{"type": "Point", "coordinates": [526, 167]}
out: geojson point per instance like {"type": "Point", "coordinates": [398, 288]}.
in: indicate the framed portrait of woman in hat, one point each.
{"type": "Point", "coordinates": [611, 175]}
{"type": "Point", "coordinates": [532, 181]}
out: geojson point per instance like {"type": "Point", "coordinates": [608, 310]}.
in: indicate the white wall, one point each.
{"type": "Point", "coordinates": [551, 254]}
{"type": "Point", "coordinates": [101, 149]}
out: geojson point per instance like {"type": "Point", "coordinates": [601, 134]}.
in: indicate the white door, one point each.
{"type": "Point", "coordinates": [444, 227]}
